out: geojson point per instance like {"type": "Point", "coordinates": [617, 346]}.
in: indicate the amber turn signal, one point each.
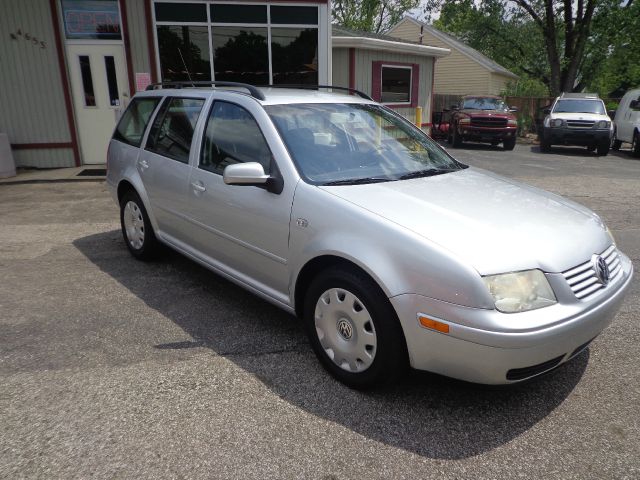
{"type": "Point", "coordinates": [433, 324]}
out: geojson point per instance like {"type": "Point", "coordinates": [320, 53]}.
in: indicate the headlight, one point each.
{"type": "Point", "coordinates": [465, 120]}
{"type": "Point", "coordinates": [520, 291]}
{"type": "Point", "coordinates": [513, 122]}
{"type": "Point", "coordinates": [603, 124]}
{"type": "Point", "coordinates": [558, 122]}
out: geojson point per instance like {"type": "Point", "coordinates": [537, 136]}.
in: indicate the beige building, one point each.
{"type": "Point", "coordinates": [465, 71]}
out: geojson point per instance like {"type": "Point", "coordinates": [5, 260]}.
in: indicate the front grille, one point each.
{"type": "Point", "coordinates": [580, 123]}
{"type": "Point", "coordinates": [488, 122]}
{"type": "Point", "coordinates": [583, 280]}
{"type": "Point", "coordinates": [526, 372]}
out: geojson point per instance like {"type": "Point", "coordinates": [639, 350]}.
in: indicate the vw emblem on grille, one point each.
{"type": "Point", "coordinates": [601, 268]}
{"type": "Point", "coordinates": [345, 329]}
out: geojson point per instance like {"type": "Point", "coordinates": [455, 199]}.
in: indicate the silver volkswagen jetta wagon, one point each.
{"type": "Point", "coordinates": [338, 210]}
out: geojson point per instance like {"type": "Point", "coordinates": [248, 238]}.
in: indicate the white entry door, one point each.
{"type": "Point", "coordinates": [99, 86]}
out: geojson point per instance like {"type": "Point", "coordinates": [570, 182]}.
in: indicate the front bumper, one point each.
{"type": "Point", "coordinates": [486, 133]}
{"type": "Point", "coordinates": [477, 350]}
{"type": "Point", "coordinates": [576, 136]}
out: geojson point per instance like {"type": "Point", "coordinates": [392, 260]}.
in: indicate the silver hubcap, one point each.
{"type": "Point", "coordinates": [345, 330]}
{"type": "Point", "coordinates": [134, 224]}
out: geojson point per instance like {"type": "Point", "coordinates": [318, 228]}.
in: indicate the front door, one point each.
{"type": "Point", "coordinates": [99, 86]}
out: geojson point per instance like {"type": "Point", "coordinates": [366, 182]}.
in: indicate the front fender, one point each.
{"type": "Point", "coordinates": [399, 260]}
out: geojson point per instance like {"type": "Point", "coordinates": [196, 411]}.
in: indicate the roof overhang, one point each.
{"type": "Point", "coordinates": [389, 46]}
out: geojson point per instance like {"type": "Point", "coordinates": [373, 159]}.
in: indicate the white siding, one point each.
{"type": "Point", "coordinates": [137, 28]}
{"type": "Point", "coordinates": [340, 67]}
{"type": "Point", "coordinates": [32, 108]}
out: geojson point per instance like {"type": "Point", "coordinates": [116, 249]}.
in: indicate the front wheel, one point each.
{"type": "Point", "coordinates": [353, 329]}
{"type": "Point", "coordinates": [615, 143]}
{"type": "Point", "coordinates": [635, 145]}
{"type": "Point", "coordinates": [509, 143]}
{"type": "Point", "coordinates": [136, 227]}
{"type": "Point", "coordinates": [603, 148]}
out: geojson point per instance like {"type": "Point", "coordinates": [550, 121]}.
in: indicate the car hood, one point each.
{"type": "Point", "coordinates": [494, 224]}
{"type": "Point", "coordinates": [487, 113]}
{"type": "Point", "coordinates": [579, 116]}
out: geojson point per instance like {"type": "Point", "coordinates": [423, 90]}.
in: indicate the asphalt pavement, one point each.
{"type": "Point", "coordinates": [114, 368]}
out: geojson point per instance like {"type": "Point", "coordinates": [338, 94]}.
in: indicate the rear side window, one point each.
{"type": "Point", "coordinates": [172, 129]}
{"type": "Point", "coordinates": [232, 136]}
{"type": "Point", "coordinates": [134, 121]}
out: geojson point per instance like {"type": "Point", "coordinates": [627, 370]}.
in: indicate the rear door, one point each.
{"type": "Point", "coordinates": [164, 163]}
{"type": "Point", "coordinates": [243, 229]}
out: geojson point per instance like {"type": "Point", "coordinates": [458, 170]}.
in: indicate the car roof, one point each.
{"type": "Point", "coordinates": [272, 96]}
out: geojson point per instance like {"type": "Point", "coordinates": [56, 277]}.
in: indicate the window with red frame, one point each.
{"type": "Point", "coordinates": [396, 84]}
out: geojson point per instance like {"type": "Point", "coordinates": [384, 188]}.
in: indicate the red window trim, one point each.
{"type": "Point", "coordinates": [376, 87]}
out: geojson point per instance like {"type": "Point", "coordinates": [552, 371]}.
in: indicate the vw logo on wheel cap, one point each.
{"type": "Point", "coordinates": [345, 329]}
{"type": "Point", "coordinates": [601, 268]}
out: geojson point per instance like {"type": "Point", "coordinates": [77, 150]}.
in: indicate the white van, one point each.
{"type": "Point", "coordinates": [628, 122]}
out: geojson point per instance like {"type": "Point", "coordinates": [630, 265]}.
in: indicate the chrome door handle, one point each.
{"type": "Point", "coordinates": [198, 187]}
{"type": "Point", "coordinates": [143, 164]}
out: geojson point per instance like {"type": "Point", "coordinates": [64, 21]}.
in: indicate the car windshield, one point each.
{"type": "Point", "coordinates": [579, 106]}
{"type": "Point", "coordinates": [484, 103]}
{"type": "Point", "coordinates": [347, 144]}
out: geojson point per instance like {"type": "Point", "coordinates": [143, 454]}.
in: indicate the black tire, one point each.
{"type": "Point", "coordinates": [456, 138]}
{"type": "Point", "coordinates": [389, 360]}
{"type": "Point", "coordinates": [509, 143]}
{"type": "Point", "coordinates": [545, 146]}
{"type": "Point", "coordinates": [148, 249]}
{"type": "Point", "coordinates": [603, 149]}
{"type": "Point", "coordinates": [635, 144]}
{"type": "Point", "coordinates": [591, 148]}
{"type": "Point", "coordinates": [615, 143]}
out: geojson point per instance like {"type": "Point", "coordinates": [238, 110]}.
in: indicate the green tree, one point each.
{"type": "Point", "coordinates": [565, 44]}
{"type": "Point", "coordinates": [371, 15]}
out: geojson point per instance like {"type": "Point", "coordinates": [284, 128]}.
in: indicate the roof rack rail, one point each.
{"type": "Point", "coordinates": [254, 91]}
{"type": "Point", "coordinates": [315, 87]}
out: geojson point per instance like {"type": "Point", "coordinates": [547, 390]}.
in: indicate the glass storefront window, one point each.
{"type": "Point", "coordinates": [294, 54]}
{"type": "Point", "coordinates": [294, 15]}
{"type": "Point", "coordinates": [244, 14]}
{"type": "Point", "coordinates": [241, 54]}
{"type": "Point", "coordinates": [181, 12]}
{"type": "Point", "coordinates": [91, 19]}
{"type": "Point", "coordinates": [184, 53]}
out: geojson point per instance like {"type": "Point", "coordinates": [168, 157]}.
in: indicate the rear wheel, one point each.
{"type": "Point", "coordinates": [136, 227]}
{"type": "Point", "coordinates": [509, 143]}
{"type": "Point", "coordinates": [353, 329]}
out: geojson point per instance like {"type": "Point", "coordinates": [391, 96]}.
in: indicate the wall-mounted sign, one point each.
{"type": "Point", "coordinates": [94, 19]}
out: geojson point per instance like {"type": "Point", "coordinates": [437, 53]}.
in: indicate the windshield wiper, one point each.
{"type": "Point", "coordinates": [358, 181]}
{"type": "Point", "coordinates": [425, 173]}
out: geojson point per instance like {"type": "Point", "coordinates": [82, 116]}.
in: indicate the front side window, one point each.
{"type": "Point", "coordinates": [579, 106]}
{"type": "Point", "coordinates": [172, 130]}
{"type": "Point", "coordinates": [232, 136]}
{"type": "Point", "coordinates": [345, 144]}
{"type": "Point", "coordinates": [134, 121]}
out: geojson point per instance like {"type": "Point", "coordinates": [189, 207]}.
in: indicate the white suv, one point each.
{"type": "Point", "coordinates": [342, 212]}
{"type": "Point", "coordinates": [628, 122]}
{"type": "Point", "coordinates": [577, 119]}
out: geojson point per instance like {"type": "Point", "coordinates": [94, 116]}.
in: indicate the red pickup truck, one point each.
{"type": "Point", "coordinates": [482, 118]}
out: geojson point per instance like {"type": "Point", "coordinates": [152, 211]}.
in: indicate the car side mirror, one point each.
{"type": "Point", "coordinates": [250, 173]}
{"type": "Point", "coordinates": [546, 111]}
{"type": "Point", "coordinates": [513, 109]}
{"type": "Point", "coordinates": [634, 105]}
